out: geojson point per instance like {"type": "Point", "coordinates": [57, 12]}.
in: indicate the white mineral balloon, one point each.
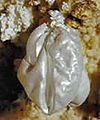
{"type": "Point", "coordinates": [51, 72]}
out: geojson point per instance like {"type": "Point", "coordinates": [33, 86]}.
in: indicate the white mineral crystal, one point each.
{"type": "Point", "coordinates": [52, 73]}
{"type": "Point", "coordinates": [65, 7]}
{"type": "Point", "coordinates": [50, 1]}
{"type": "Point", "coordinates": [18, 17]}
{"type": "Point", "coordinates": [56, 17]}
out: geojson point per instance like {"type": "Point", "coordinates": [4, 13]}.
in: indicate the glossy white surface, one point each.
{"type": "Point", "coordinates": [56, 75]}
